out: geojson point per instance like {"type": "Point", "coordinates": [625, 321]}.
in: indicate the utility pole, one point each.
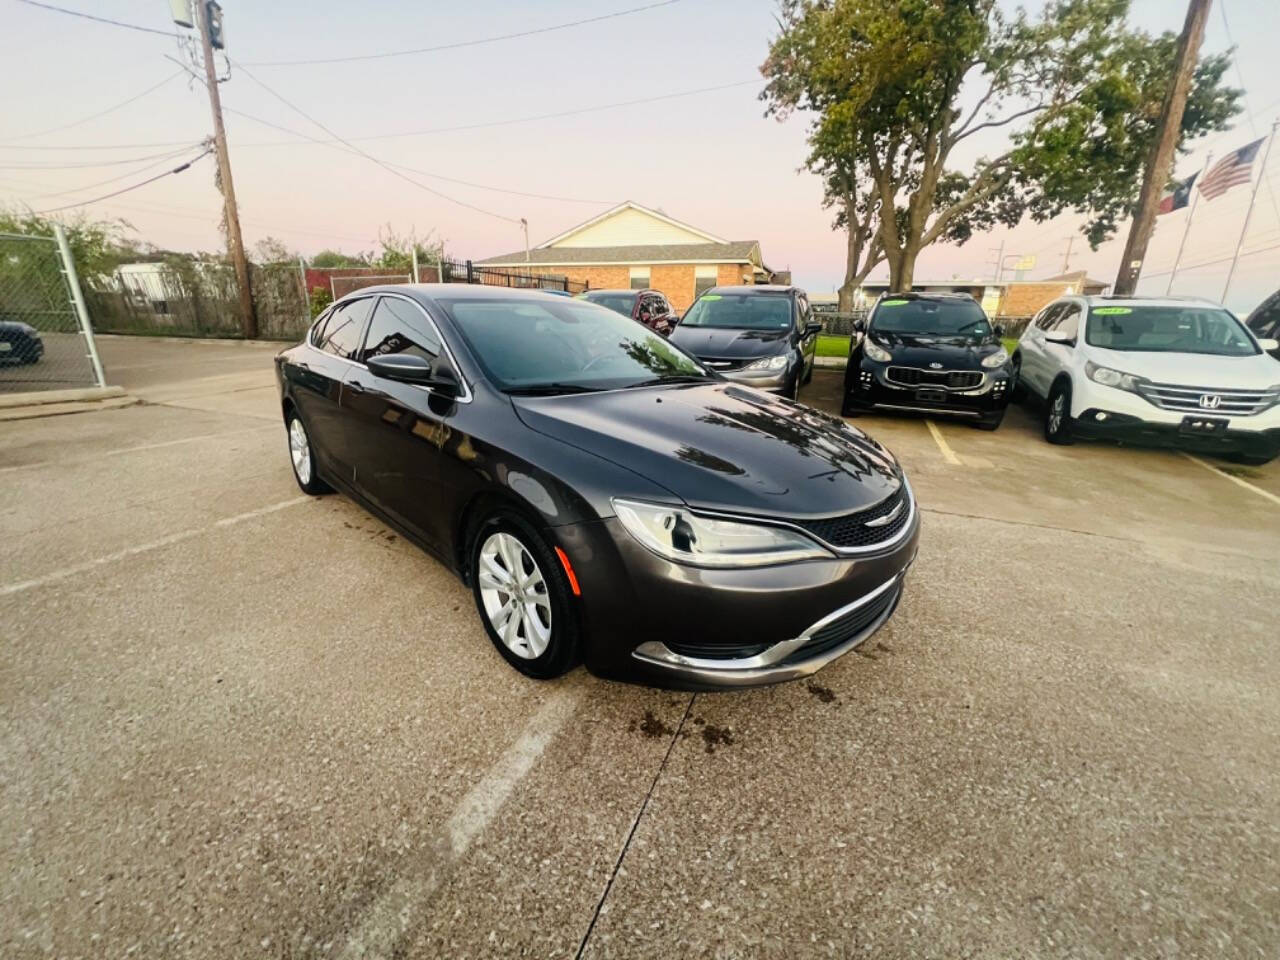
{"type": "Point", "coordinates": [1160, 160]}
{"type": "Point", "coordinates": [248, 322]}
{"type": "Point", "coordinates": [1066, 258]}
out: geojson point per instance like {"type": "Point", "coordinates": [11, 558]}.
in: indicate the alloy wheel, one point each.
{"type": "Point", "coordinates": [515, 597]}
{"type": "Point", "coordinates": [300, 451]}
{"type": "Point", "coordinates": [1057, 410]}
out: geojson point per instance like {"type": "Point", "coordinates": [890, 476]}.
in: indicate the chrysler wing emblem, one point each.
{"type": "Point", "coordinates": [1209, 401]}
{"type": "Point", "coordinates": [886, 519]}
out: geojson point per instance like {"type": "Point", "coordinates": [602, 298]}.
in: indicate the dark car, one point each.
{"type": "Point", "coordinates": [1265, 320]}
{"type": "Point", "coordinates": [932, 353]}
{"type": "Point", "coordinates": [763, 336]}
{"type": "Point", "coordinates": [649, 307]}
{"type": "Point", "coordinates": [20, 343]}
{"type": "Point", "coordinates": [606, 497]}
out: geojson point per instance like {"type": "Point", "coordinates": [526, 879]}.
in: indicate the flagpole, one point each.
{"type": "Point", "coordinates": [1195, 202]}
{"type": "Point", "coordinates": [1249, 213]}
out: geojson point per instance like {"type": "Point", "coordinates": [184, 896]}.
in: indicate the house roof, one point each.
{"type": "Point", "coordinates": [1078, 275]}
{"type": "Point", "coordinates": [632, 205]}
{"type": "Point", "coordinates": [733, 251]}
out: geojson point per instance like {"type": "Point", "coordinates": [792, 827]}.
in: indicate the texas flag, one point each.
{"type": "Point", "coordinates": [1178, 195]}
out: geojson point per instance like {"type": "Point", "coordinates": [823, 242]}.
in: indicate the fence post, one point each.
{"type": "Point", "coordinates": [471, 277]}
{"type": "Point", "coordinates": [77, 297]}
{"type": "Point", "coordinates": [414, 253]}
{"type": "Point", "coordinates": [306, 294]}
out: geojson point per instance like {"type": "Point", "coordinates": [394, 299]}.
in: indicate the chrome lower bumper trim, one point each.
{"type": "Point", "coordinates": [766, 667]}
{"type": "Point", "coordinates": [957, 412]}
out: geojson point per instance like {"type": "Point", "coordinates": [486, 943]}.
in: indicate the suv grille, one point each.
{"type": "Point", "coordinates": [1237, 403]}
{"type": "Point", "coordinates": [947, 379]}
{"type": "Point", "coordinates": [847, 627]}
{"type": "Point", "coordinates": [851, 530]}
{"type": "Point", "coordinates": [719, 363]}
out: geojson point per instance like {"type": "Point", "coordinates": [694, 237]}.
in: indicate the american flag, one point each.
{"type": "Point", "coordinates": [1232, 170]}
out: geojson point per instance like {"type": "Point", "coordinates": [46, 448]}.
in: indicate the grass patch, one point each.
{"type": "Point", "coordinates": [832, 346]}
{"type": "Point", "coordinates": [1010, 344]}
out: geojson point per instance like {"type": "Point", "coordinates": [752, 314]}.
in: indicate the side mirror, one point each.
{"type": "Point", "coordinates": [410, 368]}
{"type": "Point", "coordinates": [859, 326]}
{"type": "Point", "coordinates": [810, 329]}
{"type": "Point", "coordinates": [1060, 336]}
{"type": "Point", "coordinates": [998, 329]}
{"type": "Point", "coordinates": [1269, 346]}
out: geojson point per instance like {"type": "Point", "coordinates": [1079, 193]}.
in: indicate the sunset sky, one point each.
{"type": "Point", "coordinates": [709, 158]}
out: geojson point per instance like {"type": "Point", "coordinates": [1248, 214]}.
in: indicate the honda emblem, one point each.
{"type": "Point", "coordinates": [1209, 401]}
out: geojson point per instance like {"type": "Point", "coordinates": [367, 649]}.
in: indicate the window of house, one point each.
{"type": "Point", "coordinates": [639, 278]}
{"type": "Point", "coordinates": [704, 278]}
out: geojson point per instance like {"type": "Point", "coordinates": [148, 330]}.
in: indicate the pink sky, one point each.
{"type": "Point", "coordinates": [710, 159]}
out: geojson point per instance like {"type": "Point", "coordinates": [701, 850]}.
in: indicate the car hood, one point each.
{"type": "Point", "coordinates": [724, 447]}
{"type": "Point", "coordinates": [728, 343]}
{"type": "Point", "coordinates": [920, 350]}
{"type": "Point", "coordinates": [1192, 369]}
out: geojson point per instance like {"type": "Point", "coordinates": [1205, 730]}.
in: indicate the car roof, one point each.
{"type": "Point", "coordinates": [926, 295]}
{"type": "Point", "coordinates": [1098, 300]}
{"type": "Point", "coordinates": [755, 288]}
{"type": "Point", "coordinates": [615, 292]}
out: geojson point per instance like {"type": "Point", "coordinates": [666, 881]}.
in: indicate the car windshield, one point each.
{"type": "Point", "coordinates": [740, 311]}
{"type": "Point", "coordinates": [622, 303]}
{"type": "Point", "coordinates": [1168, 329]}
{"type": "Point", "coordinates": [564, 346]}
{"type": "Point", "coordinates": [938, 317]}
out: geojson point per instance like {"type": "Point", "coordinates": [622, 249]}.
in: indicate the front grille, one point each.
{"type": "Point", "coordinates": [845, 628]}
{"type": "Point", "coordinates": [851, 530]}
{"type": "Point", "coordinates": [1229, 402]}
{"type": "Point", "coordinates": [726, 363]}
{"type": "Point", "coordinates": [716, 651]}
{"type": "Point", "coordinates": [947, 379]}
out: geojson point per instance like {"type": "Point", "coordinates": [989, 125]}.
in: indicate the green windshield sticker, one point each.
{"type": "Point", "coordinates": [1110, 311]}
{"type": "Point", "coordinates": [711, 296]}
{"type": "Point", "coordinates": [893, 303]}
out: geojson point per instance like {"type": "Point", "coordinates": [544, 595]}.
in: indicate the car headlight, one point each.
{"type": "Point", "coordinates": [997, 359]}
{"type": "Point", "coordinates": [768, 363]}
{"type": "Point", "coordinates": [677, 534]}
{"type": "Point", "coordinates": [1111, 378]}
{"type": "Point", "coordinates": [876, 352]}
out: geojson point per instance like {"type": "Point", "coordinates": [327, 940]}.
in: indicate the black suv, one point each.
{"type": "Point", "coordinates": [763, 336]}
{"type": "Point", "coordinates": [930, 353]}
{"type": "Point", "coordinates": [1265, 320]}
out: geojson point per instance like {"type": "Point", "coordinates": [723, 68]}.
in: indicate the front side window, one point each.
{"type": "Point", "coordinates": [342, 332]}
{"type": "Point", "coordinates": [564, 346]}
{"type": "Point", "coordinates": [947, 318]}
{"type": "Point", "coordinates": [1168, 329]}
{"type": "Point", "coordinates": [1069, 322]}
{"type": "Point", "coordinates": [1050, 316]}
{"type": "Point", "coordinates": [622, 303]}
{"type": "Point", "coordinates": [740, 311]}
{"type": "Point", "coordinates": [399, 327]}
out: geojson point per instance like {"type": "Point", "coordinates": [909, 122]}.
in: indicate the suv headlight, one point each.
{"type": "Point", "coordinates": [768, 363]}
{"type": "Point", "coordinates": [1112, 378]}
{"type": "Point", "coordinates": [997, 359]}
{"type": "Point", "coordinates": [677, 534]}
{"type": "Point", "coordinates": [876, 352]}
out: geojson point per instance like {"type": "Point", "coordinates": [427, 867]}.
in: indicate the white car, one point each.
{"type": "Point", "coordinates": [1173, 372]}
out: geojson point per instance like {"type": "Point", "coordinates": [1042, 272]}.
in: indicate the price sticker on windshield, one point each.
{"type": "Point", "coordinates": [893, 303]}
{"type": "Point", "coordinates": [711, 296]}
{"type": "Point", "coordinates": [1110, 311]}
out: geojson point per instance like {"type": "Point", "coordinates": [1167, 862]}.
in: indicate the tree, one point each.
{"type": "Point", "coordinates": [332, 259]}
{"type": "Point", "coordinates": [397, 249]}
{"type": "Point", "coordinates": [897, 86]}
{"type": "Point", "coordinates": [272, 250]}
{"type": "Point", "coordinates": [97, 246]}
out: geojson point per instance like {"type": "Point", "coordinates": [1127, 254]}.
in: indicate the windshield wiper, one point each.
{"type": "Point", "coordinates": [673, 378]}
{"type": "Point", "coordinates": [550, 389]}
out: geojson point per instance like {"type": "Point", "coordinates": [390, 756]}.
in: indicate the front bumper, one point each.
{"type": "Point", "coordinates": [649, 620]}
{"type": "Point", "coordinates": [869, 387]}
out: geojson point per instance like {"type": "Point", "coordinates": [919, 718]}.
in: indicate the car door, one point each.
{"type": "Point", "coordinates": [316, 380]}
{"type": "Point", "coordinates": [1031, 347]}
{"type": "Point", "coordinates": [1058, 356]}
{"type": "Point", "coordinates": [808, 341]}
{"type": "Point", "coordinates": [398, 430]}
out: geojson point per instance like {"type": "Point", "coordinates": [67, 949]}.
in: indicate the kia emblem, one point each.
{"type": "Point", "coordinates": [1209, 401]}
{"type": "Point", "coordinates": [935, 366]}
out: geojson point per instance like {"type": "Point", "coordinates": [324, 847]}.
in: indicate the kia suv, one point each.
{"type": "Point", "coordinates": [1171, 372]}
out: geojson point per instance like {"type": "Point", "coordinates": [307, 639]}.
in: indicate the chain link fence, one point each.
{"type": "Point", "coordinates": [43, 343]}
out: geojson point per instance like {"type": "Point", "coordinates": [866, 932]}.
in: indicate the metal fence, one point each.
{"type": "Point", "coordinates": [839, 324]}
{"type": "Point", "coordinates": [45, 339]}
{"type": "Point", "coordinates": [464, 271]}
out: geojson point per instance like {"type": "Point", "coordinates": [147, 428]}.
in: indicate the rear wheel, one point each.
{"type": "Point", "coordinates": [1057, 415]}
{"type": "Point", "coordinates": [523, 597]}
{"type": "Point", "coordinates": [302, 458]}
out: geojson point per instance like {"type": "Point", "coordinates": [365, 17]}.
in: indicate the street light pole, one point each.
{"type": "Point", "coordinates": [235, 241]}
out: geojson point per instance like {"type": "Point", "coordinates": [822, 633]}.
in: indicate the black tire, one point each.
{"type": "Point", "coordinates": [794, 393]}
{"type": "Point", "coordinates": [1250, 459]}
{"type": "Point", "coordinates": [1057, 415]}
{"type": "Point", "coordinates": [309, 478]}
{"type": "Point", "coordinates": [1017, 392]}
{"type": "Point", "coordinates": [990, 421]}
{"type": "Point", "coordinates": [847, 409]}
{"type": "Point", "coordinates": [808, 376]}
{"type": "Point", "coordinates": [562, 649]}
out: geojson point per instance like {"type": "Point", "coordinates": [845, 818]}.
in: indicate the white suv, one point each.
{"type": "Point", "coordinates": [1174, 372]}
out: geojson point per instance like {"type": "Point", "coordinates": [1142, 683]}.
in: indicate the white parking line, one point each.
{"type": "Point", "coordinates": [21, 585]}
{"type": "Point", "coordinates": [89, 458]}
{"type": "Point", "coordinates": [1236, 480]}
{"type": "Point", "coordinates": [394, 912]}
{"type": "Point", "coordinates": [947, 453]}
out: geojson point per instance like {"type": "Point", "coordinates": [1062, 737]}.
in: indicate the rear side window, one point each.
{"type": "Point", "coordinates": [342, 332]}
{"type": "Point", "coordinates": [399, 327]}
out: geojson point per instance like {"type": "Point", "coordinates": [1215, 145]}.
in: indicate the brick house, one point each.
{"type": "Point", "coordinates": [633, 247]}
{"type": "Point", "coordinates": [1025, 298]}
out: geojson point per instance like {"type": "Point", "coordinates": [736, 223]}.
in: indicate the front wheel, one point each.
{"type": "Point", "coordinates": [1057, 415]}
{"type": "Point", "coordinates": [523, 597]}
{"type": "Point", "coordinates": [990, 421]}
{"type": "Point", "coordinates": [1017, 392]}
{"type": "Point", "coordinates": [1250, 459]}
{"type": "Point", "coordinates": [302, 457]}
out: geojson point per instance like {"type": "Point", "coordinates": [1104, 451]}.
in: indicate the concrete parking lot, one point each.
{"type": "Point", "coordinates": [235, 721]}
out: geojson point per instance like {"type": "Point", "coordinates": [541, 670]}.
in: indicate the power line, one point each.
{"type": "Point", "coordinates": [90, 16]}
{"type": "Point", "coordinates": [120, 176]}
{"type": "Point", "coordinates": [99, 163]}
{"type": "Point", "coordinates": [143, 183]}
{"type": "Point", "coordinates": [1214, 263]}
{"type": "Point", "coordinates": [96, 146]}
{"type": "Point", "coordinates": [455, 46]}
{"type": "Point", "coordinates": [100, 113]}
